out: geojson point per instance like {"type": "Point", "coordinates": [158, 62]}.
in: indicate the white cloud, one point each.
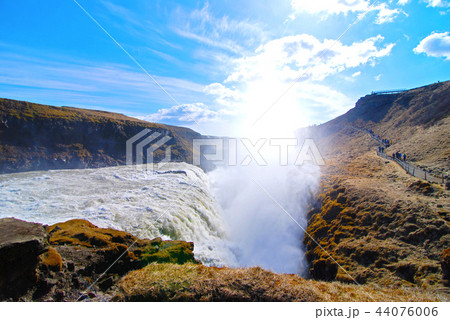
{"type": "Point", "coordinates": [378, 77]}
{"type": "Point", "coordinates": [385, 14]}
{"type": "Point", "coordinates": [435, 45]}
{"type": "Point", "coordinates": [219, 32]}
{"type": "Point", "coordinates": [402, 2]}
{"type": "Point", "coordinates": [437, 3]}
{"type": "Point", "coordinates": [197, 112]}
{"type": "Point", "coordinates": [356, 74]}
{"type": "Point", "coordinates": [287, 72]}
{"type": "Point", "coordinates": [304, 56]}
{"type": "Point", "coordinates": [326, 8]}
{"type": "Point", "coordinates": [225, 96]}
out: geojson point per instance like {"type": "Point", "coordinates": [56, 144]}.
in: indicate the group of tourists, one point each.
{"type": "Point", "coordinates": [399, 156]}
{"type": "Point", "coordinates": [386, 144]}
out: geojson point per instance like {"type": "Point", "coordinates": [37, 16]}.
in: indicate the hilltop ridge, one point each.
{"type": "Point", "coordinates": [41, 137]}
{"type": "Point", "coordinates": [416, 120]}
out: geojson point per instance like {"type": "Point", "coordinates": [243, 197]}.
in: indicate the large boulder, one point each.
{"type": "Point", "coordinates": [21, 243]}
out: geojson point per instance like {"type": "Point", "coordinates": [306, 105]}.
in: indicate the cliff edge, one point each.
{"type": "Point", "coordinates": [41, 137]}
{"type": "Point", "coordinates": [373, 222]}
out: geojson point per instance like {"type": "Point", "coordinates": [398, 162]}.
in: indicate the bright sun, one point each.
{"type": "Point", "coordinates": [271, 110]}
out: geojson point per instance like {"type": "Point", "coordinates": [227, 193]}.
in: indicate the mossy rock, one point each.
{"type": "Point", "coordinates": [51, 259]}
{"type": "Point", "coordinates": [111, 243]}
{"type": "Point", "coordinates": [178, 252]}
{"type": "Point", "coordinates": [83, 233]}
{"type": "Point", "coordinates": [331, 210]}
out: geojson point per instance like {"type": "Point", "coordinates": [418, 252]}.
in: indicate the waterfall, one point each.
{"type": "Point", "coordinates": [172, 203]}
{"type": "Point", "coordinates": [264, 209]}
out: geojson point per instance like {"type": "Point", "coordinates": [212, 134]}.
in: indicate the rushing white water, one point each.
{"type": "Point", "coordinates": [260, 219]}
{"type": "Point", "coordinates": [264, 208]}
{"type": "Point", "coordinates": [173, 203]}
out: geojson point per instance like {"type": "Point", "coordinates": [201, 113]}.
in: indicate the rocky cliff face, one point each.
{"type": "Point", "coordinates": [377, 224]}
{"type": "Point", "coordinates": [373, 223]}
{"type": "Point", "coordinates": [39, 137]}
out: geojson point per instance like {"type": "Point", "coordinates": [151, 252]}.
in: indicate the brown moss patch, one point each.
{"type": "Point", "coordinates": [83, 233]}
{"type": "Point", "coordinates": [51, 259]}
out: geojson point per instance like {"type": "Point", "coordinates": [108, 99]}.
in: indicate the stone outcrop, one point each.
{"type": "Point", "coordinates": [75, 259]}
{"type": "Point", "coordinates": [21, 243]}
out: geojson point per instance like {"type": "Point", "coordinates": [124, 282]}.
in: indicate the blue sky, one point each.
{"type": "Point", "coordinates": [224, 65]}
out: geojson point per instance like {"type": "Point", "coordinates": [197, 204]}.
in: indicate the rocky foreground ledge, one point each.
{"type": "Point", "coordinates": [71, 261]}
{"type": "Point", "coordinates": [64, 262]}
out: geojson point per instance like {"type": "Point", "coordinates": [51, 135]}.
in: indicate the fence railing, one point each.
{"type": "Point", "coordinates": [415, 171]}
{"type": "Point", "coordinates": [388, 91]}
{"type": "Point", "coordinates": [407, 166]}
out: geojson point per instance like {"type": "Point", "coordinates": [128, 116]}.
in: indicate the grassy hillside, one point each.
{"type": "Point", "coordinates": [374, 222]}
{"type": "Point", "coordinates": [40, 137]}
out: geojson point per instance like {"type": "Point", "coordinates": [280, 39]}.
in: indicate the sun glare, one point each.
{"type": "Point", "coordinates": [271, 110]}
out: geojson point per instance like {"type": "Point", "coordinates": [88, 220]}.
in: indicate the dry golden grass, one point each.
{"type": "Point", "coordinates": [191, 282]}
